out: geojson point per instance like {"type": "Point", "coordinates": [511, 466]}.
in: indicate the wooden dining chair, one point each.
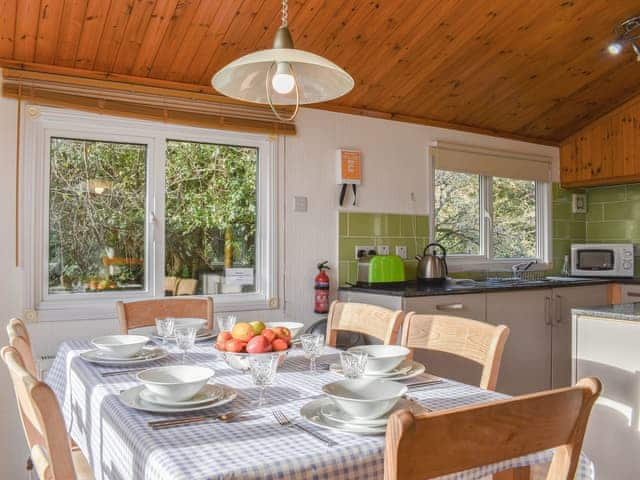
{"type": "Point", "coordinates": [476, 341]}
{"type": "Point", "coordinates": [143, 313]}
{"type": "Point", "coordinates": [378, 322]}
{"type": "Point", "coordinates": [451, 441]}
{"type": "Point", "coordinates": [20, 340]}
{"type": "Point", "coordinates": [187, 286]}
{"type": "Point", "coordinates": [49, 445]}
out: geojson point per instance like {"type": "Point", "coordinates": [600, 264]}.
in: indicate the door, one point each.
{"type": "Point", "coordinates": [564, 299]}
{"type": "Point", "coordinates": [526, 362]}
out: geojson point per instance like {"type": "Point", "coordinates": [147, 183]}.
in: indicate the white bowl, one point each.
{"type": "Point", "coordinates": [196, 323]}
{"type": "Point", "coordinates": [364, 398]}
{"type": "Point", "coordinates": [120, 346]}
{"type": "Point", "coordinates": [176, 382]}
{"type": "Point", "coordinates": [294, 327]}
{"type": "Point", "coordinates": [382, 358]}
{"type": "Point", "coordinates": [240, 360]}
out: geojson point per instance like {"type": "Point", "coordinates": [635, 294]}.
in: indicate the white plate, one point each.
{"type": "Point", "coordinates": [155, 353]}
{"type": "Point", "coordinates": [416, 369]}
{"type": "Point", "coordinates": [143, 354]}
{"type": "Point", "coordinates": [209, 394]}
{"type": "Point", "coordinates": [201, 335]}
{"type": "Point", "coordinates": [131, 398]}
{"type": "Point", "coordinates": [312, 412]}
{"type": "Point", "coordinates": [401, 369]}
{"type": "Point", "coordinates": [333, 413]}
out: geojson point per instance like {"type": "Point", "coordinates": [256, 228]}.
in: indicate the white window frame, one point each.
{"type": "Point", "coordinates": [40, 124]}
{"type": "Point", "coordinates": [485, 260]}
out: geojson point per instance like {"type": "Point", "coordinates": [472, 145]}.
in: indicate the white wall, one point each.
{"type": "Point", "coordinates": [395, 164]}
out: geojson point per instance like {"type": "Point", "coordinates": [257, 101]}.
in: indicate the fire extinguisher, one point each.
{"type": "Point", "coordinates": [321, 303]}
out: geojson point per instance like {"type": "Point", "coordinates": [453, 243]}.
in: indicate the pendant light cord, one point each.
{"type": "Point", "coordinates": [284, 19]}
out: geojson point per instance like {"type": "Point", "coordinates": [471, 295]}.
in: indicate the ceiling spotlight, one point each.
{"type": "Point", "coordinates": [627, 31]}
{"type": "Point", "coordinates": [614, 48]}
{"type": "Point", "coordinates": [636, 50]}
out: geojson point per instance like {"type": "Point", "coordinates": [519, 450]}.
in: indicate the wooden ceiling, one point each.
{"type": "Point", "coordinates": [521, 68]}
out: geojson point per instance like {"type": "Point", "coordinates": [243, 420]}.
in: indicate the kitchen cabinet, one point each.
{"type": "Point", "coordinates": [468, 305]}
{"type": "Point", "coordinates": [606, 152]}
{"type": "Point", "coordinates": [563, 300]}
{"type": "Point", "coordinates": [526, 361]}
{"type": "Point", "coordinates": [629, 293]}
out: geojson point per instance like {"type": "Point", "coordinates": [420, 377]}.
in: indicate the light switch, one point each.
{"type": "Point", "coordinates": [300, 204]}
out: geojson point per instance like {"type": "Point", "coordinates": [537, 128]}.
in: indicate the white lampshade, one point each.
{"type": "Point", "coordinates": [319, 80]}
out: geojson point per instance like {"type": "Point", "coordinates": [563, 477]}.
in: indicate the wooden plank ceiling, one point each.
{"type": "Point", "coordinates": [522, 68]}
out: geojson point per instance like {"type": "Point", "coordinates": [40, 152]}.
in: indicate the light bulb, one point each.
{"type": "Point", "coordinates": [283, 80]}
{"type": "Point", "coordinates": [614, 48]}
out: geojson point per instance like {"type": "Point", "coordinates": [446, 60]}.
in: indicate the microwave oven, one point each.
{"type": "Point", "coordinates": [602, 260]}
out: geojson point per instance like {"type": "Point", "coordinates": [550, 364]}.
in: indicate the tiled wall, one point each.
{"type": "Point", "coordinates": [380, 229]}
{"type": "Point", "coordinates": [568, 227]}
{"type": "Point", "coordinates": [613, 216]}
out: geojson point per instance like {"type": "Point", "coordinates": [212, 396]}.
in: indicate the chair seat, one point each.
{"type": "Point", "coordinates": [81, 465]}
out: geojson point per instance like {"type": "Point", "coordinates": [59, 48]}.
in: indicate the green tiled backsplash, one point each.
{"type": "Point", "coordinates": [379, 229]}
{"type": "Point", "coordinates": [613, 216]}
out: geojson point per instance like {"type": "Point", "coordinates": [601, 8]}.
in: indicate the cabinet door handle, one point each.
{"type": "Point", "coordinates": [450, 306]}
{"type": "Point", "coordinates": [547, 310]}
{"type": "Point", "coordinates": [558, 309]}
{"type": "Point", "coordinates": [633, 294]}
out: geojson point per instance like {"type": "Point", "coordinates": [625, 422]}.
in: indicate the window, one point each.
{"type": "Point", "coordinates": [140, 209]}
{"type": "Point", "coordinates": [96, 215]}
{"type": "Point", "coordinates": [484, 218]}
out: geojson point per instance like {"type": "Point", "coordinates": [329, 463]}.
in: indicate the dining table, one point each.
{"type": "Point", "coordinates": [119, 444]}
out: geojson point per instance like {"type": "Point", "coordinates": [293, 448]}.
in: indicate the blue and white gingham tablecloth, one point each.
{"type": "Point", "coordinates": [120, 446]}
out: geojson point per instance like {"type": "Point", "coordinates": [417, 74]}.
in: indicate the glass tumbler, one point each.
{"type": "Point", "coordinates": [312, 345]}
{"type": "Point", "coordinates": [353, 363]}
{"type": "Point", "coordinates": [164, 328]}
{"type": "Point", "coordinates": [225, 324]}
{"type": "Point", "coordinates": [263, 367]}
{"type": "Point", "coordinates": [185, 339]}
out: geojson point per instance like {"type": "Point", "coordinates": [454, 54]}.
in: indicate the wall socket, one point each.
{"type": "Point", "coordinates": [364, 250]}
{"type": "Point", "coordinates": [401, 251]}
{"type": "Point", "coordinates": [383, 249]}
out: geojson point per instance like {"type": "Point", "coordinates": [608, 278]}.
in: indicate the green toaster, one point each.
{"type": "Point", "coordinates": [380, 269]}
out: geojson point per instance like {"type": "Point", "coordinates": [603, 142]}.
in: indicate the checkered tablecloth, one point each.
{"type": "Point", "coordinates": [120, 446]}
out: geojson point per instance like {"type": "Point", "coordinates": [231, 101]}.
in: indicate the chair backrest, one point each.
{"type": "Point", "coordinates": [378, 322]}
{"type": "Point", "coordinates": [476, 341]}
{"type": "Point", "coordinates": [170, 285]}
{"type": "Point", "coordinates": [451, 441]}
{"type": "Point", "coordinates": [39, 407]}
{"type": "Point", "coordinates": [187, 286]}
{"type": "Point", "coordinates": [20, 340]}
{"type": "Point", "coordinates": [143, 313]}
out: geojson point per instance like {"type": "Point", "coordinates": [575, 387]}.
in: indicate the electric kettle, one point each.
{"type": "Point", "coordinates": [432, 268]}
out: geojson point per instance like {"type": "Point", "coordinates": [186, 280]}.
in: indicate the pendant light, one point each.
{"type": "Point", "coordinates": [282, 75]}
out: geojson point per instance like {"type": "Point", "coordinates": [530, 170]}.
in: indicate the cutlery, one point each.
{"type": "Point", "coordinates": [422, 408]}
{"type": "Point", "coordinates": [176, 422]}
{"type": "Point", "coordinates": [424, 384]}
{"type": "Point", "coordinates": [285, 422]}
{"type": "Point", "coordinates": [122, 372]}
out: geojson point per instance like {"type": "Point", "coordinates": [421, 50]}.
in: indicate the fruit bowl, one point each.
{"type": "Point", "coordinates": [240, 360]}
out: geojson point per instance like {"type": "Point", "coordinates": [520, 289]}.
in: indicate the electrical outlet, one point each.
{"type": "Point", "coordinates": [362, 250]}
{"type": "Point", "coordinates": [401, 251]}
{"type": "Point", "coordinates": [383, 249]}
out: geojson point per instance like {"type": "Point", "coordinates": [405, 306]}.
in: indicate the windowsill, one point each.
{"type": "Point", "coordinates": [75, 309]}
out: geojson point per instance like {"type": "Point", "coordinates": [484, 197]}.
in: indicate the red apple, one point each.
{"type": "Point", "coordinates": [283, 332]}
{"type": "Point", "coordinates": [223, 338]}
{"type": "Point", "coordinates": [280, 344]}
{"type": "Point", "coordinates": [235, 346]}
{"type": "Point", "coordinates": [258, 344]}
{"type": "Point", "coordinates": [269, 334]}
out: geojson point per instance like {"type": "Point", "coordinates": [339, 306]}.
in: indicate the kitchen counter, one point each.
{"type": "Point", "coordinates": [625, 311]}
{"type": "Point", "coordinates": [412, 289]}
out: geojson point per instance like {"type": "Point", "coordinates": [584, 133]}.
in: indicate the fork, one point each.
{"type": "Point", "coordinates": [122, 372]}
{"type": "Point", "coordinates": [285, 422]}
